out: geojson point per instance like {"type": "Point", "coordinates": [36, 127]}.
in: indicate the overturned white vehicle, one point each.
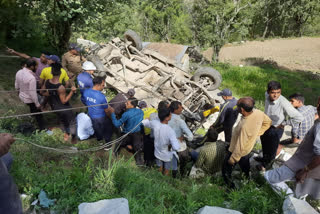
{"type": "Point", "coordinates": [127, 64]}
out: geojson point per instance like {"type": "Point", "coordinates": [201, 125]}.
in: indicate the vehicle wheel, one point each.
{"type": "Point", "coordinates": [208, 77]}
{"type": "Point", "coordinates": [133, 37]}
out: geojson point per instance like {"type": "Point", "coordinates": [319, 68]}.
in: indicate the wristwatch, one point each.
{"type": "Point", "coordinates": [306, 168]}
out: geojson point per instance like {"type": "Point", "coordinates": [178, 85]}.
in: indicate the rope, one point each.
{"type": "Point", "coordinates": [60, 110]}
{"type": "Point", "coordinates": [17, 90]}
{"type": "Point", "coordinates": [74, 151]}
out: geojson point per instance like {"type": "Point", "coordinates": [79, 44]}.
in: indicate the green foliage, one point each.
{"type": "Point", "coordinates": [165, 21]}
{"type": "Point", "coordinates": [215, 21]}
{"type": "Point", "coordinates": [283, 18]}
{"type": "Point", "coordinates": [252, 81]}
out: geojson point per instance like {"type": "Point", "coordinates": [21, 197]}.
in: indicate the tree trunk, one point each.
{"type": "Point", "coordinates": [265, 30]}
{"type": "Point", "coordinates": [64, 37]}
{"type": "Point", "coordinates": [216, 50]}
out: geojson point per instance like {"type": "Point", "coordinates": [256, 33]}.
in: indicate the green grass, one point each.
{"type": "Point", "coordinates": [77, 178]}
{"type": "Point", "coordinates": [252, 81]}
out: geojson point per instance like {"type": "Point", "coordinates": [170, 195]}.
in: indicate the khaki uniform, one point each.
{"type": "Point", "coordinates": [72, 64]}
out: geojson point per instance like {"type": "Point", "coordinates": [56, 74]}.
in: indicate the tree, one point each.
{"type": "Point", "coordinates": [215, 21]}
{"type": "Point", "coordinates": [165, 20]}
{"type": "Point", "coordinates": [300, 11]}
{"type": "Point", "coordinates": [59, 16]}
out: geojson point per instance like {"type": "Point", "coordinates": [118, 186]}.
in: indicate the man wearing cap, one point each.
{"type": "Point", "coordinates": [46, 72]}
{"type": "Point", "coordinates": [118, 103]}
{"type": "Point", "coordinates": [228, 114]}
{"type": "Point", "coordinates": [72, 61]}
{"type": "Point", "coordinates": [41, 61]}
{"type": "Point", "coordinates": [84, 79]}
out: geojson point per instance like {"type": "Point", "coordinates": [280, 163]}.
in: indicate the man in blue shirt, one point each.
{"type": "Point", "coordinates": [84, 79]}
{"type": "Point", "coordinates": [228, 114]}
{"type": "Point", "coordinates": [101, 123]}
{"type": "Point", "coordinates": [131, 120]}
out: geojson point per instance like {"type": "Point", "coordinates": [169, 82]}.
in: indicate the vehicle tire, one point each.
{"type": "Point", "coordinates": [133, 37]}
{"type": "Point", "coordinates": [211, 76]}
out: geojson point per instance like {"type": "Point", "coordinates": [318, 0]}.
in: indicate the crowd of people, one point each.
{"type": "Point", "coordinates": [161, 136]}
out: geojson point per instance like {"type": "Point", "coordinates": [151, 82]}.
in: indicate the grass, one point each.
{"type": "Point", "coordinates": [252, 81]}
{"type": "Point", "coordinates": [73, 179]}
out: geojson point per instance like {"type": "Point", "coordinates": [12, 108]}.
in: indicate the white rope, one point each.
{"type": "Point", "coordinates": [74, 151]}
{"type": "Point", "coordinates": [60, 110]}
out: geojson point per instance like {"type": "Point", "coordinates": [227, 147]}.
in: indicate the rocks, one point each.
{"type": "Point", "coordinates": [111, 206]}
{"type": "Point", "coordinates": [216, 210]}
{"type": "Point", "coordinates": [295, 206]}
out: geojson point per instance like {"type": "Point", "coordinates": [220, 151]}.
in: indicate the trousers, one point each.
{"type": "Point", "coordinates": [38, 117]}
{"type": "Point", "coordinates": [102, 128]}
{"type": "Point", "coordinates": [270, 141]}
{"type": "Point", "coordinates": [227, 168]}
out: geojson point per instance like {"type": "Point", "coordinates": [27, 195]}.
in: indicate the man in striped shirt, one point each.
{"type": "Point", "coordinates": [309, 113]}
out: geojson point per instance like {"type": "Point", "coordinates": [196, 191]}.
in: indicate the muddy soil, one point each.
{"type": "Point", "coordinates": [298, 54]}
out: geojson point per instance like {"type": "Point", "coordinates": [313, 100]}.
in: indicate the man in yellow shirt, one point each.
{"type": "Point", "coordinates": [46, 72]}
{"type": "Point", "coordinates": [252, 124]}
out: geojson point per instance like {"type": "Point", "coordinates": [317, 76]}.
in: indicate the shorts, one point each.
{"type": "Point", "coordinates": [171, 165]}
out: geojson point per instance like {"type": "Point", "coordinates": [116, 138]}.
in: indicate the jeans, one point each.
{"type": "Point", "coordinates": [10, 201]}
{"type": "Point", "coordinates": [227, 168]}
{"type": "Point", "coordinates": [38, 117]}
{"type": "Point", "coordinates": [7, 159]}
{"type": "Point", "coordinates": [136, 140]}
{"type": "Point", "coordinates": [270, 141]}
{"type": "Point", "coordinates": [102, 128]}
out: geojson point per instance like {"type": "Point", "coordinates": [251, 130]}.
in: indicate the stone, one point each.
{"type": "Point", "coordinates": [295, 206]}
{"type": "Point", "coordinates": [216, 210]}
{"type": "Point", "coordinates": [110, 206]}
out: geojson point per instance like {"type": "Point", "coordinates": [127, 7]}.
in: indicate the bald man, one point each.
{"type": "Point", "coordinates": [253, 123]}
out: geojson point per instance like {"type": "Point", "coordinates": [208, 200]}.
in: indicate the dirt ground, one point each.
{"type": "Point", "coordinates": [299, 54]}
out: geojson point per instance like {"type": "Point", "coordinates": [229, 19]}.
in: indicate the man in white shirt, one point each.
{"type": "Point", "coordinates": [182, 131]}
{"type": "Point", "coordinates": [84, 126]}
{"type": "Point", "coordinates": [165, 141]}
{"type": "Point", "coordinates": [277, 107]}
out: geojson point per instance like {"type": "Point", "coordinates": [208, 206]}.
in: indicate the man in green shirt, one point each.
{"type": "Point", "coordinates": [211, 155]}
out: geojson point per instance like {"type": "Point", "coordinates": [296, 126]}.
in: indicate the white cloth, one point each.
{"type": "Point", "coordinates": [85, 129]}
{"type": "Point", "coordinates": [163, 137]}
{"type": "Point", "coordinates": [277, 177]}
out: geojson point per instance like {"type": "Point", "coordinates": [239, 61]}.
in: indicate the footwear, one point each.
{"type": "Point", "coordinates": [260, 168]}
{"type": "Point", "coordinates": [293, 145]}
{"type": "Point", "coordinates": [259, 159]}
{"type": "Point", "coordinates": [286, 142]}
